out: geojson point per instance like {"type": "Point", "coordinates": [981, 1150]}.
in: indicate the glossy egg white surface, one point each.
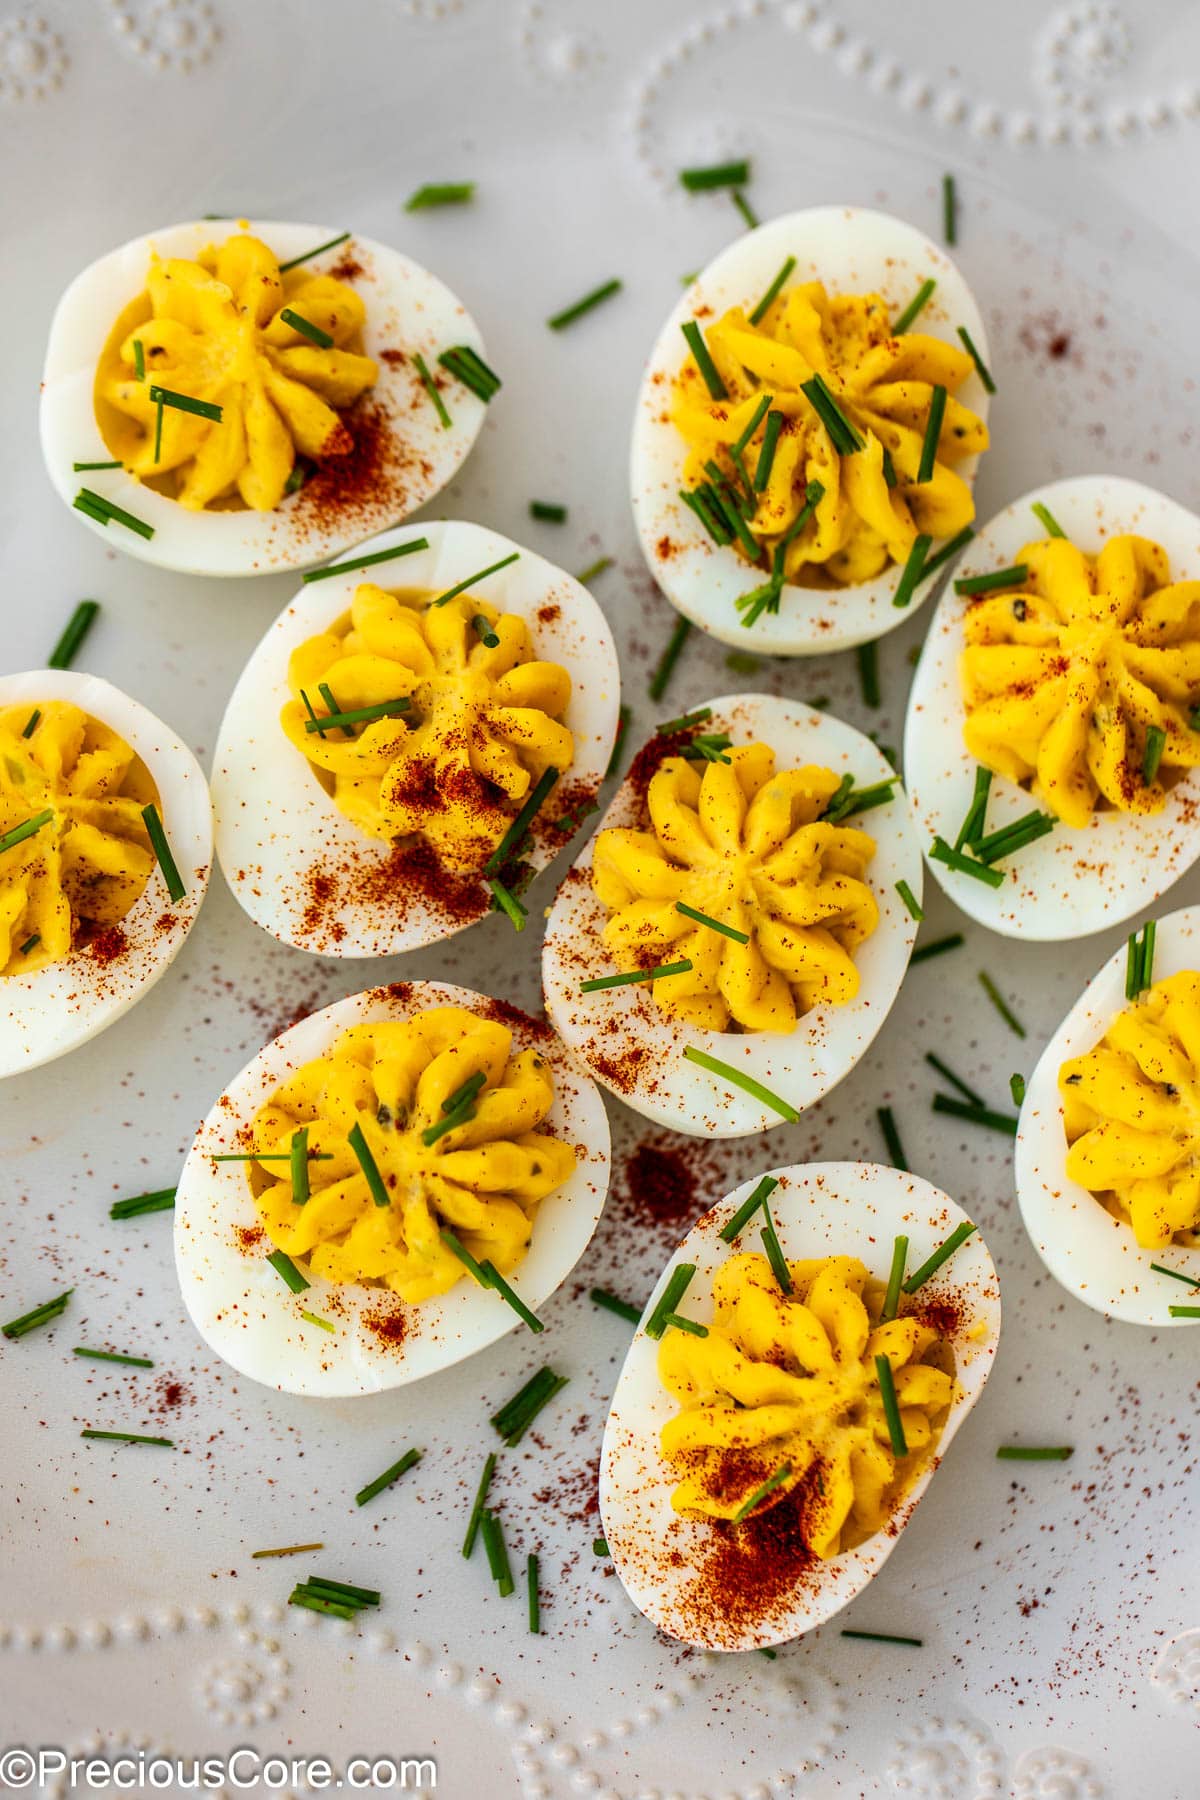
{"type": "Point", "coordinates": [303, 870]}
{"type": "Point", "coordinates": [60, 1006]}
{"type": "Point", "coordinates": [247, 1313]}
{"type": "Point", "coordinates": [1094, 1256]}
{"type": "Point", "coordinates": [852, 250]}
{"type": "Point", "coordinates": [637, 1051]}
{"type": "Point", "coordinates": [819, 1209]}
{"type": "Point", "coordinates": [1068, 883]}
{"type": "Point", "coordinates": [409, 311]}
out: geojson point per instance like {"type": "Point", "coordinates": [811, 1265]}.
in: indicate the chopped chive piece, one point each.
{"type": "Point", "coordinates": [162, 852]}
{"type": "Point", "coordinates": [1035, 1452]}
{"type": "Point", "coordinates": [891, 1409]}
{"type": "Point", "coordinates": [716, 175]}
{"type": "Point", "coordinates": [1047, 518]}
{"type": "Point", "coordinates": [299, 1161]}
{"type": "Point", "coordinates": [560, 320]}
{"type": "Point", "coordinates": [31, 722]}
{"type": "Point", "coordinates": [891, 1300]}
{"type": "Point", "coordinates": [688, 1325]}
{"type": "Point", "coordinates": [316, 1319]}
{"type": "Point", "coordinates": [965, 865]}
{"type": "Point", "coordinates": [859, 800]}
{"type": "Point", "coordinates": [30, 943]}
{"type": "Point", "coordinates": [517, 832]}
{"type": "Point", "coordinates": [139, 359]}
{"type": "Point", "coordinates": [1184, 1312]}
{"type": "Point", "coordinates": [949, 549]}
{"type": "Point", "coordinates": [1016, 1087]}
{"type": "Point", "coordinates": [760, 1493]}
{"type": "Point", "coordinates": [1139, 962]}
{"type": "Point", "coordinates": [187, 403]}
{"type": "Point", "coordinates": [843, 435]}
{"type": "Point", "coordinates": [773, 292]}
{"type": "Point", "coordinates": [750, 1205]}
{"type": "Point", "coordinates": [933, 432]}
{"type": "Point", "coordinates": [104, 512]}
{"type": "Point", "coordinates": [315, 335]}
{"type": "Point", "coordinates": [408, 1461]}
{"type": "Point", "coordinates": [672, 727]}
{"type": "Point", "coordinates": [357, 715]}
{"type": "Point", "coordinates": [918, 302]}
{"type": "Point", "coordinates": [1152, 755]}
{"type": "Point", "coordinates": [77, 628]}
{"type": "Point", "coordinates": [464, 1095]}
{"type": "Point", "coordinates": [950, 233]}
{"type": "Point", "coordinates": [710, 516]}
{"type": "Point", "coordinates": [1176, 1274]}
{"type": "Point", "coordinates": [623, 1308]}
{"type": "Point", "coordinates": [1001, 1005]}
{"type": "Point", "coordinates": [82, 468]}
{"type": "Point", "coordinates": [915, 909]}
{"type": "Point", "coordinates": [891, 1137]}
{"type": "Point", "coordinates": [744, 207]}
{"type": "Point", "coordinates": [938, 947]}
{"type": "Point", "coordinates": [477, 1510]}
{"type": "Point", "coordinates": [868, 672]}
{"type": "Point", "coordinates": [774, 1250]}
{"type": "Point", "coordinates": [942, 1254]}
{"type": "Point", "coordinates": [975, 1115]}
{"type": "Point", "coordinates": [129, 1437]}
{"type": "Point", "coordinates": [300, 1596]}
{"type": "Point", "coordinates": [333, 708]}
{"type": "Point", "coordinates": [984, 584]}
{"type": "Point", "coordinates": [699, 918]}
{"type": "Point", "coordinates": [517, 1415]}
{"type": "Point", "coordinates": [743, 664]}
{"type": "Point", "coordinates": [889, 468]}
{"type": "Point", "coordinates": [600, 1547]}
{"type": "Point", "coordinates": [766, 456]}
{"type": "Point", "coordinates": [549, 511]}
{"type": "Point", "coordinates": [440, 193]}
{"type": "Point", "coordinates": [968, 1093]}
{"type": "Point", "coordinates": [913, 571]}
{"type": "Point", "coordinates": [476, 1270]}
{"type": "Point", "coordinates": [531, 1583]}
{"type": "Point", "coordinates": [506, 902]}
{"type": "Point", "coordinates": [331, 244]}
{"type": "Point", "coordinates": [751, 426]}
{"type": "Point", "coordinates": [593, 569]}
{"type": "Point", "coordinates": [883, 1637]}
{"type": "Point", "coordinates": [135, 1362]}
{"type": "Point", "coordinates": [635, 976]}
{"type": "Point", "coordinates": [704, 362]}
{"type": "Point", "coordinates": [343, 1591]}
{"type": "Point", "coordinates": [746, 1082]}
{"type": "Point", "coordinates": [984, 374]}
{"type": "Point", "coordinates": [510, 1296]}
{"type": "Point", "coordinates": [285, 1550]}
{"type": "Point", "coordinates": [232, 1156]}
{"type": "Point", "coordinates": [26, 829]}
{"type": "Point", "coordinates": [708, 747]}
{"type": "Point", "coordinates": [318, 725]}
{"type": "Point", "coordinates": [497, 1553]}
{"type": "Point", "coordinates": [283, 1265]}
{"type": "Point", "coordinates": [624, 715]}
{"type": "Point", "coordinates": [1005, 842]}
{"type": "Point", "coordinates": [668, 1301]}
{"type": "Point", "coordinates": [971, 829]}
{"type": "Point", "coordinates": [366, 562]}
{"type": "Point", "coordinates": [487, 635]}
{"type": "Point", "coordinates": [370, 1168]}
{"type": "Point", "coordinates": [162, 1200]}
{"type": "Point", "coordinates": [668, 659]}
{"type": "Point", "coordinates": [467, 366]}
{"type": "Point", "coordinates": [432, 390]}
{"type": "Point", "coordinates": [40, 1315]}
{"type": "Point", "coordinates": [471, 580]}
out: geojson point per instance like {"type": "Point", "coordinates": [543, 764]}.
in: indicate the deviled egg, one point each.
{"type": "Point", "coordinates": [796, 1379]}
{"type": "Point", "coordinates": [234, 399]}
{"type": "Point", "coordinates": [808, 429]}
{"type": "Point", "coordinates": [478, 693]}
{"type": "Point", "coordinates": [105, 850]}
{"type": "Point", "coordinates": [734, 935]}
{"type": "Point", "coordinates": [353, 1206]}
{"type": "Point", "coordinates": [1053, 735]}
{"type": "Point", "coordinates": [1108, 1147]}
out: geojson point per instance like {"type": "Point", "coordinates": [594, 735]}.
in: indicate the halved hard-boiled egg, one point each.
{"type": "Point", "coordinates": [1108, 1148]}
{"type": "Point", "coordinates": [1053, 736]}
{"type": "Point", "coordinates": [389, 1186]}
{"type": "Point", "coordinates": [735, 933]}
{"type": "Point", "coordinates": [808, 429]}
{"type": "Point", "coordinates": [478, 692]}
{"type": "Point", "coordinates": [759, 1465]}
{"type": "Point", "coordinates": [105, 850]}
{"type": "Point", "coordinates": [229, 398]}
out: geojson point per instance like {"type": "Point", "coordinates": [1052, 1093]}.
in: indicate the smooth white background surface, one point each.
{"type": "Point", "coordinates": [1062, 1641]}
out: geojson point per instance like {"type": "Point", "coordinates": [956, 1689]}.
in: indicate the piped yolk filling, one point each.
{"type": "Point", "coordinates": [87, 865]}
{"type": "Point", "coordinates": [213, 331]}
{"type": "Point", "coordinates": [483, 1178]}
{"type": "Point", "coordinates": [873, 505]}
{"type": "Point", "coordinates": [746, 846]}
{"type": "Point", "coordinates": [481, 724]}
{"type": "Point", "coordinates": [1065, 678]}
{"type": "Point", "coordinates": [1131, 1110]}
{"type": "Point", "coordinates": [790, 1381]}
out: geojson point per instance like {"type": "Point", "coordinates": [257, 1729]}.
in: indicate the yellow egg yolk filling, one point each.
{"type": "Point", "coordinates": [87, 864]}
{"type": "Point", "coordinates": [482, 1178]}
{"type": "Point", "coordinates": [790, 1381]}
{"type": "Point", "coordinates": [213, 330]}
{"type": "Point", "coordinates": [1131, 1111]}
{"type": "Point", "coordinates": [747, 847]}
{"type": "Point", "coordinates": [873, 505]}
{"type": "Point", "coordinates": [481, 723]}
{"type": "Point", "coordinates": [1070, 679]}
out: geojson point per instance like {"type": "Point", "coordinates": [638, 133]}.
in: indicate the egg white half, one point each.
{"type": "Point", "coordinates": [611, 1030]}
{"type": "Point", "coordinates": [1067, 884]}
{"type": "Point", "coordinates": [247, 1313]}
{"type": "Point", "coordinates": [819, 1209]}
{"type": "Point", "coordinates": [852, 250]}
{"type": "Point", "coordinates": [408, 311]}
{"type": "Point", "coordinates": [1094, 1256]}
{"type": "Point", "coordinates": [60, 1006]}
{"type": "Point", "coordinates": [278, 831]}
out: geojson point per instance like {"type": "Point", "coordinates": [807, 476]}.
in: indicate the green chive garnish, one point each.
{"type": "Point", "coordinates": [1176, 1274]}
{"type": "Point", "coordinates": [1156, 743]}
{"type": "Point", "coordinates": [716, 175]}
{"type": "Point", "coordinates": [704, 362]}
{"type": "Point", "coordinates": [1184, 1312]}
{"type": "Point", "coordinates": [135, 1362]}
{"type": "Point", "coordinates": [766, 456]}
{"type": "Point", "coordinates": [943, 1069]}
{"type": "Point", "coordinates": [760, 1493]}
{"type": "Point", "coordinates": [910, 900]}
{"type": "Point", "coordinates": [843, 435]}
{"type": "Point", "coordinates": [942, 1254]}
{"type": "Point", "coordinates": [971, 829]}
{"type": "Point", "coordinates": [949, 214]}
{"type": "Point", "coordinates": [464, 1095]}
{"type": "Point", "coordinates": [284, 1267]}
{"type": "Point", "coordinates": [1016, 1087]}
{"type": "Point", "coordinates": [301, 1596]}
{"type": "Point", "coordinates": [750, 1205]}
{"type": "Point", "coordinates": [506, 902]}
{"type": "Point", "coordinates": [670, 656]}
{"type": "Point", "coordinates": [358, 715]}
{"type": "Point", "coordinates": [162, 852]}
{"type": "Point", "coordinates": [688, 1325]}
{"type": "Point", "coordinates": [938, 947]}
{"type": "Point", "coordinates": [314, 333]}
{"type": "Point", "coordinates": [497, 1553]}
{"type": "Point", "coordinates": [672, 727]}
{"type": "Point", "coordinates": [432, 390]}
{"type": "Point", "coordinates": [1139, 963]}
{"type": "Point", "coordinates": [487, 636]}
{"type": "Point", "coordinates": [699, 918]}
{"type": "Point", "coordinates": [299, 1162]}
{"type": "Point", "coordinates": [919, 300]}
{"type": "Point", "coordinates": [600, 1546]}
{"type": "Point", "coordinates": [774, 1250]}
{"type": "Point", "coordinates": [467, 366]}
{"type": "Point", "coordinates": [162, 1200]}
{"type": "Point", "coordinates": [560, 320]}
{"type": "Point", "coordinates": [343, 1591]}
{"type": "Point", "coordinates": [891, 1300]}
{"type": "Point", "coordinates": [1001, 1005]}
{"type": "Point", "coordinates": [316, 1319]}
{"type": "Point", "coordinates": [77, 628]}
{"type": "Point", "coordinates": [891, 1409]}
{"type": "Point", "coordinates": [509, 1295]}
{"type": "Point", "coordinates": [30, 943]}
{"type": "Point", "coordinates": [933, 432]}
{"type": "Point", "coordinates": [517, 1415]}
{"type": "Point", "coordinates": [232, 1156]}
{"type": "Point", "coordinates": [984, 584]}
{"type": "Point", "coordinates": [868, 672]}
{"type": "Point", "coordinates": [139, 359]}
{"type": "Point", "coordinates": [82, 468]}
{"type": "Point", "coordinates": [752, 424]}
{"type": "Point", "coordinates": [975, 1115]}
{"type": "Point", "coordinates": [883, 1637]}
{"type": "Point", "coordinates": [449, 1122]}
{"type": "Point", "coordinates": [997, 845]}
{"type": "Point", "coordinates": [965, 865]}
{"type": "Point", "coordinates": [129, 1437]}
{"type": "Point", "coordinates": [366, 562]}
{"type": "Point", "coordinates": [40, 1315]}
{"type": "Point", "coordinates": [104, 512]}
{"type": "Point", "coordinates": [472, 580]}
{"type": "Point", "coordinates": [517, 832]}
{"type": "Point", "coordinates": [949, 549]}
{"type": "Point", "coordinates": [440, 193]}
{"type": "Point", "coordinates": [635, 976]}
{"type": "Point", "coordinates": [773, 292]}
{"type": "Point", "coordinates": [286, 1550]}
{"type": "Point", "coordinates": [26, 829]}
{"type": "Point", "coordinates": [369, 1167]}
{"type": "Point", "coordinates": [477, 1510]}
{"type": "Point", "coordinates": [981, 369]}
{"type": "Point", "coordinates": [549, 511]}
{"type": "Point", "coordinates": [622, 1308]}
{"type": "Point", "coordinates": [668, 1301]}
{"type": "Point", "coordinates": [331, 244]}
{"type": "Point", "coordinates": [31, 722]}
{"type": "Point", "coordinates": [408, 1461]}
{"type": "Point", "coordinates": [744, 207]}
{"type": "Point", "coordinates": [891, 1137]}
{"type": "Point", "coordinates": [848, 800]}
{"type": "Point", "coordinates": [746, 1082]}
{"type": "Point", "coordinates": [913, 571]}
{"type": "Point", "coordinates": [1042, 512]}
{"type": "Point", "coordinates": [593, 569]}
{"type": "Point", "coordinates": [531, 1583]}
{"type": "Point", "coordinates": [187, 403]}
{"type": "Point", "coordinates": [1035, 1452]}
